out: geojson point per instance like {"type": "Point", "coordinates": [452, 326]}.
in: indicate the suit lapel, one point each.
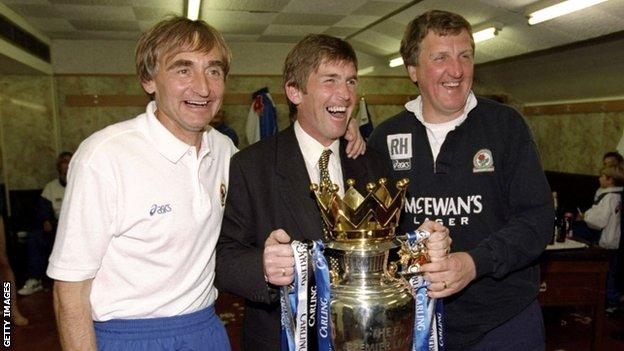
{"type": "Point", "coordinates": [294, 187]}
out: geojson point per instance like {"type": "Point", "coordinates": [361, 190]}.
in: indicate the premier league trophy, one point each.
{"type": "Point", "coordinates": [367, 293]}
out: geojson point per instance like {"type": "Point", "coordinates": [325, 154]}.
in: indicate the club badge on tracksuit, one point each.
{"type": "Point", "coordinates": [400, 150]}
{"type": "Point", "coordinates": [483, 161]}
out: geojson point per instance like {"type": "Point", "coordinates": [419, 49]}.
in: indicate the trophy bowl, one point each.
{"type": "Point", "coordinates": [371, 301]}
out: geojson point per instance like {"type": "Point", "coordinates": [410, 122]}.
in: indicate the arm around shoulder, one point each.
{"type": "Point", "coordinates": [73, 315]}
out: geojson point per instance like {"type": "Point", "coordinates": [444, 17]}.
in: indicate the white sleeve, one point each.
{"type": "Point", "coordinates": [86, 225]}
{"type": "Point", "coordinates": [47, 192]}
{"type": "Point", "coordinates": [597, 216]}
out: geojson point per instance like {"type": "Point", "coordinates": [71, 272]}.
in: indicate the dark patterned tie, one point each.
{"type": "Point", "coordinates": [323, 162]}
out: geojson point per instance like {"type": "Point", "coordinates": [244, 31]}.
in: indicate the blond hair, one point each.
{"type": "Point", "coordinates": [614, 172]}
{"type": "Point", "coordinates": [174, 35]}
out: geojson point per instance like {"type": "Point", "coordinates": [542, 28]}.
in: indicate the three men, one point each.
{"type": "Point", "coordinates": [135, 248]}
{"type": "Point", "coordinates": [475, 168]}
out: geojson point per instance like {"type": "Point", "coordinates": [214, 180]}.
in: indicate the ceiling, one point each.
{"type": "Point", "coordinates": [373, 27]}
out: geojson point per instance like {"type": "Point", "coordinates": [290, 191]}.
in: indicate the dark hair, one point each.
{"type": "Point", "coordinates": [440, 22]}
{"type": "Point", "coordinates": [63, 157]}
{"type": "Point", "coordinates": [615, 155]}
{"type": "Point", "coordinates": [174, 35]}
{"type": "Point", "coordinates": [309, 54]}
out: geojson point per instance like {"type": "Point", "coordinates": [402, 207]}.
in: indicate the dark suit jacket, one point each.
{"type": "Point", "coordinates": [269, 189]}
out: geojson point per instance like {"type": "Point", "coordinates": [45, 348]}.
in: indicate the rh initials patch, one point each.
{"type": "Point", "coordinates": [400, 150]}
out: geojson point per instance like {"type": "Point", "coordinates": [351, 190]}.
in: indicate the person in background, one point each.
{"type": "Point", "coordinates": [133, 260]}
{"type": "Point", "coordinates": [40, 240]}
{"type": "Point", "coordinates": [270, 202]}
{"type": "Point", "coordinates": [219, 122]}
{"type": "Point", "coordinates": [473, 166]}
{"type": "Point", "coordinates": [613, 158]}
{"type": "Point", "coordinates": [605, 216]}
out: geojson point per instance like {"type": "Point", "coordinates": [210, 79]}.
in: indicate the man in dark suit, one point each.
{"type": "Point", "coordinates": [269, 201]}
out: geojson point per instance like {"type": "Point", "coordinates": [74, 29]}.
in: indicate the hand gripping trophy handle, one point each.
{"type": "Point", "coordinates": [412, 255]}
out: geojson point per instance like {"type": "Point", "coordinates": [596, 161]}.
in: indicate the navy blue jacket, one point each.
{"type": "Point", "coordinates": [488, 187]}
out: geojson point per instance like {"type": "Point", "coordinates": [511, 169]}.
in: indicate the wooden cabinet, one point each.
{"type": "Point", "coordinates": [576, 278]}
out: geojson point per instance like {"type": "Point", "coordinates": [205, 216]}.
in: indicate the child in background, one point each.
{"type": "Point", "coordinates": [605, 215]}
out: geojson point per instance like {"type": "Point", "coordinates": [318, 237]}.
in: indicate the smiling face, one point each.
{"type": "Point", "coordinates": [188, 89]}
{"type": "Point", "coordinates": [444, 75]}
{"type": "Point", "coordinates": [325, 108]}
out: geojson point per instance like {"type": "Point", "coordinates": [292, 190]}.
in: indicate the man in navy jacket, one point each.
{"type": "Point", "coordinates": [474, 167]}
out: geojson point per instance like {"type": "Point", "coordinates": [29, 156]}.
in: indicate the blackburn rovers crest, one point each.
{"type": "Point", "coordinates": [483, 161]}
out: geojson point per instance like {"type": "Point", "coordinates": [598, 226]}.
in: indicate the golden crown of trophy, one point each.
{"type": "Point", "coordinates": [372, 303]}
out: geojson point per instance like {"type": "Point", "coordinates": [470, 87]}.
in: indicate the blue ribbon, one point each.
{"type": "Point", "coordinates": [415, 236]}
{"type": "Point", "coordinates": [287, 302]}
{"type": "Point", "coordinates": [323, 314]}
{"type": "Point", "coordinates": [439, 319]}
{"type": "Point", "coordinates": [422, 317]}
{"type": "Point", "coordinates": [428, 321]}
{"type": "Point", "coordinates": [294, 303]}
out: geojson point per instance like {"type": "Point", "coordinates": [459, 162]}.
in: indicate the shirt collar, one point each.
{"type": "Point", "coordinates": [165, 142]}
{"type": "Point", "coordinates": [311, 148]}
{"type": "Point", "coordinates": [415, 106]}
{"type": "Point", "coordinates": [610, 189]}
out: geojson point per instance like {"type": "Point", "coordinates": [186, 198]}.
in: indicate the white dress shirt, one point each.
{"type": "Point", "coordinates": [312, 150]}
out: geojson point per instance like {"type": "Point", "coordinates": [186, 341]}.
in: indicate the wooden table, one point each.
{"type": "Point", "coordinates": [576, 278]}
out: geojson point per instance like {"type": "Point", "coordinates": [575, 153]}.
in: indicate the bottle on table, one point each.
{"type": "Point", "coordinates": [560, 227]}
{"type": "Point", "coordinates": [568, 217]}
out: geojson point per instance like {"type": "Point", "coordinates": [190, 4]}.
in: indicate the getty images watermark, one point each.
{"type": "Point", "coordinates": [6, 313]}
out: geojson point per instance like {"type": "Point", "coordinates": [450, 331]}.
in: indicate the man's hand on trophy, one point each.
{"type": "Point", "coordinates": [278, 259]}
{"type": "Point", "coordinates": [450, 275]}
{"type": "Point", "coordinates": [439, 242]}
{"type": "Point", "coordinates": [356, 145]}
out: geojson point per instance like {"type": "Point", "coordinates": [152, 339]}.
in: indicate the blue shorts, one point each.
{"type": "Point", "coordinates": [201, 330]}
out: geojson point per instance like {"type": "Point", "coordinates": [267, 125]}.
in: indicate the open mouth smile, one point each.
{"type": "Point", "coordinates": [337, 111]}
{"type": "Point", "coordinates": [194, 103]}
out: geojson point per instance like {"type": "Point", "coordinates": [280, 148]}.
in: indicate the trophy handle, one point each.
{"type": "Point", "coordinates": [410, 260]}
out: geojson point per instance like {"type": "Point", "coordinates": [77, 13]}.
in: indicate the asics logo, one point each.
{"type": "Point", "coordinates": [160, 209]}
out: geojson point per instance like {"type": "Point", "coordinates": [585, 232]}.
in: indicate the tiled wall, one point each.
{"type": "Point", "coordinates": [576, 143]}
{"type": "Point", "coordinates": [567, 143]}
{"type": "Point", "coordinates": [27, 130]}
{"type": "Point", "coordinates": [76, 123]}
